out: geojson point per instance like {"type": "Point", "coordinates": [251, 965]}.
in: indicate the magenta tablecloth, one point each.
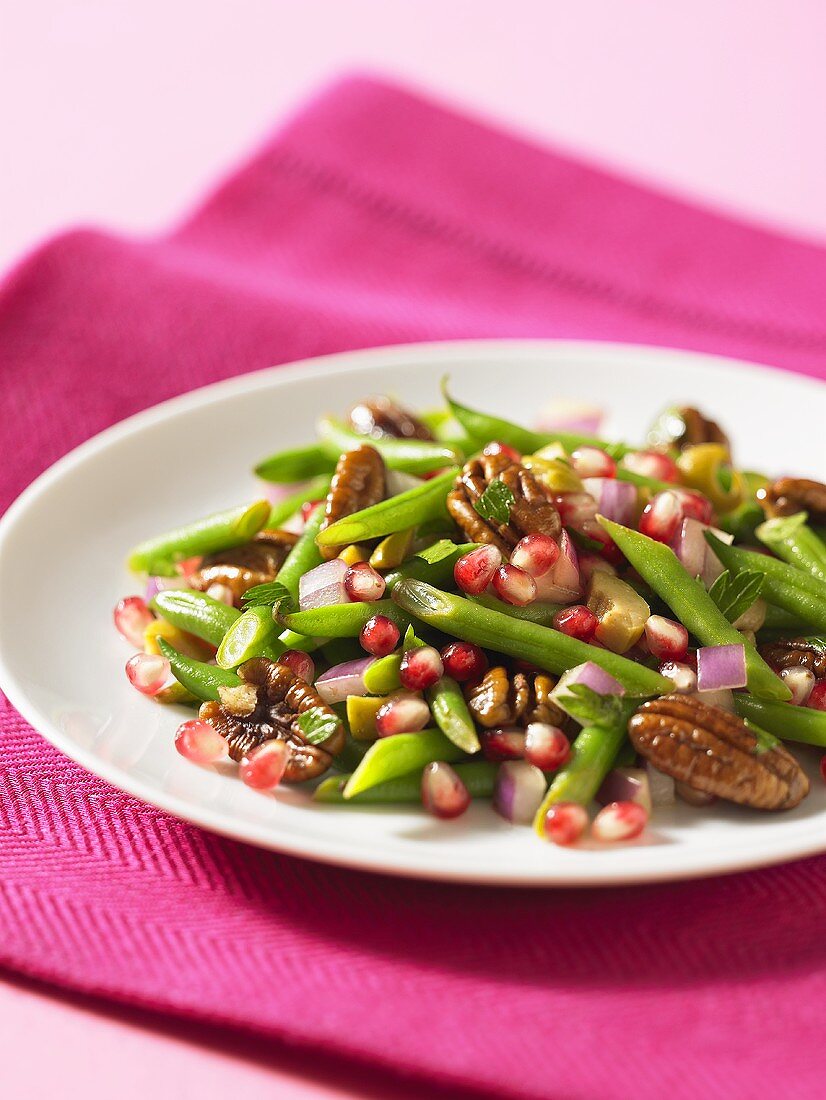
{"type": "Point", "coordinates": [376, 217]}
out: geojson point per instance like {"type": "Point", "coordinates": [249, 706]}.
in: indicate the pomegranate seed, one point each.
{"type": "Point", "coordinates": [577, 622]}
{"type": "Point", "coordinates": [800, 681]}
{"type": "Point", "coordinates": [817, 696]}
{"type": "Point", "coordinates": [307, 509]}
{"type": "Point", "coordinates": [652, 464]}
{"type": "Point", "coordinates": [403, 713]}
{"type": "Point", "coordinates": [443, 792]}
{"type": "Point", "coordinates": [496, 447]}
{"type": "Point", "coordinates": [590, 563]}
{"type": "Point", "coordinates": [464, 661]}
{"type": "Point", "coordinates": [474, 571]}
{"type": "Point", "coordinates": [666, 640]}
{"type": "Point", "coordinates": [264, 768]}
{"type": "Point", "coordinates": [379, 636]}
{"type": "Point", "coordinates": [535, 554]}
{"type": "Point", "coordinates": [661, 518]}
{"type": "Point", "coordinates": [591, 462]}
{"type": "Point", "coordinates": [576, 509]}
{"type": "Point", "coordinates": [148, 672]}
{"type": "Point", "coordinates": [546, 746]}
{"type": "Point", "coordinates": [502, 744]}
{"type": "Point", "coordinates": [514, 586]}
{"type": "Point", "coordinates": [132, 617]}
{"type": "Point", "coordinates": [683, 676]}
{"type": "Point", "coordinates": [619, 821]}
{"type": "Point", "coordinates": [421, 668]}
{"type": "Point", "coordinates": [363, 583]}
{"type": "Point", "coordinates": [694, 505]}
{"type": "Point", "coordinates": [565, 823]}
{"type": "Point", "coordinates": [199, 742]}
{"type": "Point", "coordinates": [221, 592]}
{"type": "Point", "coordinates": [299, 663]}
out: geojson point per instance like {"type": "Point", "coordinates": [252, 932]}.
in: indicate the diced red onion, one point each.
{"type": "Point", "coordinates": [520, 788]}
{"type": "Point", "coordinates": [660, 786]}
{"type": "Point", "coordinates": [592, 676]}
{"type": "Point", "coordinates": [616, 500]}
{"type": "Point", "coordinates": [625, 785]}
{"type": "Point", "coordinates": [154, 585]}
{"type": "Point", "coordinates": [342, 680]}
{"type": "Point", "coordinates": [721, 666]}
{"type": "Point", "coordinates": [690, 546]}
{"type": "Point", "coordinates": [324, 585]}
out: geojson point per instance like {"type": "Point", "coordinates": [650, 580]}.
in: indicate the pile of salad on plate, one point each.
{"type": "Point", "coordinates": [436, 608]}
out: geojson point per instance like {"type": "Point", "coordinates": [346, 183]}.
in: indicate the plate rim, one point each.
{"type": "Point", "coordinates": [335, 852]}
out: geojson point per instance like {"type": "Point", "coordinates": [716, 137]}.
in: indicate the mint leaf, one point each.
{"type": "Point", "coordinates": [317, 724]}
{"type": "Point", "coordinates": [734, 594]}
{"type": "Point", "coordinates": [273, 594]}
{"type": "Point", "coordinates": [589, 708]}
{"type": "Point", "coordinates": [496, 502]}
{"type": "Point", "coordinates": [437, 552]}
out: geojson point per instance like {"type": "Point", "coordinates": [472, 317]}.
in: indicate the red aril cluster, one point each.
{"type": "Point", "coordinates": [474, 571]}
{"type": "Point", "coordinates": [514, 586]}
{"type": "Point", "coordinates": [132, 617]}
{"type": "Point", "coordinates": [403, 713]}
{"type": "Point", "coordinates": [363, 584]}
{"type": "Point", "coordinates": [264, 768]}
{"type": "Point", "coordinates": [379, 636]}
{"type": "Point", "coordinates": [443, 792]}
{"type": "Point", "coordinates": [502, 744]}
{"type": "Point", "coordinates": [299, 663]}
{"type": "Point", "coordinates": [421, 668]}
{"type": "Point", "coordinates": [199, 742]}
{"type": "Point", "coordinates": [652, 464]}
{"type": "Point", "coordinates": [546, 746]}
{"type": "Point", "coordinates": [565, 823]}
{"type": "Point", "coordinates": [592, 462]}
{"type": "Point", "coordinates": [147, 672]}
{"type": "Point", "coordinates": [666, 639]}
{"type": "Point", "coordinates": [577, 622]}
{"type": "Point", "coordinates": [619, 821]}
{"type": "Point", "coordinates": [535, 554]}
{"type": "Point", "coordinates": [463, 661]}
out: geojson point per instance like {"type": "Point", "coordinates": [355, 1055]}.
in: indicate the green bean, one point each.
{"type": "Point", "coordinates": [409, 509]}
{"type": "Point", "coordinates": [343, 620]}
{"type": "Point", "coordinates": [548, 649]}
{"type": "Point", "coordinates": [220, 531]}
{"type": "Point", "coordinates": [413, 456]}
{"type": "Point", "coordinates": [196, 613]}
{"type": "Point", "coordinates": [391, 757]}
{"type": "Point", "coordinates": [350, 757]}
{"type": "Point", "coordinates": [538, 612]}
{"type": "Point", "coordinates": [795, 591]}
{"type": "Point", "coordinates": [451, 714]}
{"type": "Point", "coordinates": [198, 677]}
{"type": "Point", "coordinates": [790, 723]}
{"type": "Point", "coordinates": [483, 428]}
{"type": "Point", "coordinates": [438, 573]}
{"type": "Point", "coordinates": [304, 556]}
{"type": "Point", "coordinates": [314, 490]}
{"type": "Point", "coordinates": [593, 753]}
{"type": "Point", "coordinates": [479, 776]}
{"type": "Point", "coordinates": [296, 464]}
{"type": "Point", "coordinates": [780, 620]}
{"type": "Point", "coordinates": [660, 568]}
{"type": "Point", "coordinates": [795, 542]}
{"type": "Point", "coordinates": [254, 634]}
{"type": "Point", "coordinates": [382, 676]}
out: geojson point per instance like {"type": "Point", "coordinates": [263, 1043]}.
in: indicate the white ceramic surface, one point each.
{"type": "Point", "coordinates": [61, 662]}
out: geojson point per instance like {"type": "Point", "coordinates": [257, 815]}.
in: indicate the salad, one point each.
{"type": "Point", "coordinates": [443, 607]}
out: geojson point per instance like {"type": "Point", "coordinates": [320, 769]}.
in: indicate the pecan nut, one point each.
{"type": "Point", "coordinates": [266, 706]}
{"type": "Point", "coordinates": [501, 698]}
{"type": "Point", "coordinates": [686, 427]}
{"type": "Point", "coordinates": [360, 481]}
{"type": "Point", "coordinates": [789, 495]}
{"type": "Point", "coordinates": [256, 562]}
{"type": "Point", "coordinates": [807, 653]}
{"type": "Point", "coordinates": [379, 417]}
{"type": "Point", "coordinates": [714, 751]}
{"type": "Point", "coordinates": [532, 510]}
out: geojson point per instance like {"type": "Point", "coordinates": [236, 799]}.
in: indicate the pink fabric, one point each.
{"type": "Point", "coordinates": [376, 217]}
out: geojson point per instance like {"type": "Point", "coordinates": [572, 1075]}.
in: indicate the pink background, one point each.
{"type": "Point", "coordinates": [121, 113]}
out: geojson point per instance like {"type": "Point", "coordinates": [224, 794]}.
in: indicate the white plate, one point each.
{"type": "Point", "coordinates": [61, 662]}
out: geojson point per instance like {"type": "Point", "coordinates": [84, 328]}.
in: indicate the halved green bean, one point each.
{"type": "Point", "coordinates": [451, 714]}
{"type": "Point", "coordinates": [548, 649]}
{"type": "Point", "coordinates": [343, 620]}
{"type": "Point", "coordinates": [382, 676]}
{"type": "Point", "coordinates": [413, 456]}
{"type": "Point", "coordinates": [789, 723]}
{"type": "Point", "coordinates": [196, 613]}
{"type": "Point", "coordinates": [438, 573]}
{"type": "Point", "coordinates": [410, 509]}
{"type": "Point", "coordinates": [220, 531]}
{"type": "Point", "coordinates": [254, 634]}
{"type": "Point", "coordinates": [660, 568]}
{"type": "Point", "coordinates": [799, 593]}
{"type": "Point", "coordinates": [296, 464]}
{"type": "Point", "coordinates": [198, 677]}
{"type": "Point", "coordinates": [780, 620]}
{"type": "Point", "coordinates": [314, 490]}
{"type": "Point", "coordinates": [795, 542]}
{"type": "Point", "coordinates": [479, 776]}
{"type": "Point", "coordinates": [391, 757]}
{"type": "Point", "coordinates": [538, 612]}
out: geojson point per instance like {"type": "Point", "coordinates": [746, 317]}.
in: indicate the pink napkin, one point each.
{"type": "Point", "coordinates": [376, 217]}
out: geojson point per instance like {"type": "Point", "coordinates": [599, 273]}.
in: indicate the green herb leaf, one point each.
{"type": "Point", "coordinates": [410, 640]}
{"type": "Point", "coordinates": [590, 708]}
{"type": "Point", "coordinates": [272, 594]}
{"type": "Point", "coordinates": [437, 552]}
{"type": "Point", "coordinates": [496, 502]}
{"type": "Point", "coordinates": [734, 594]}
{"type": "Point", "coordinates": [317, 725]}
{"type": "Point", "coordinates": [765, 741]}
